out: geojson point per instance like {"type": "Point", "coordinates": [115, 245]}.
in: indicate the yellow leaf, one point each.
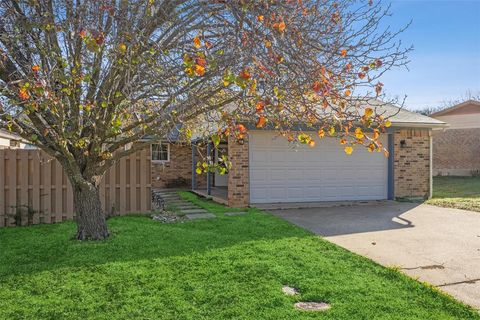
{"type": "Point", "coordinates": [368, 112]}
{"type": "Point", "coordinates": [371, 147]}
{"type": "Point", "coordinates": [348, 150]}
{"type": "Point", "coordinates": [359, 133]}
{"type": "Point", "coordinates": [331, 131]}
{"type": "Point", "coordinates": [122, 47]}
{"type": "Point", "coordinates": [388, 123]}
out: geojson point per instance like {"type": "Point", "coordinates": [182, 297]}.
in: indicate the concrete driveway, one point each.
{"type": "Point", "coordinates": [437, 245]}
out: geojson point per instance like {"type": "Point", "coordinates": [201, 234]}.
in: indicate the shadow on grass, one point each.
{"type": "Point", "coordinates": [33, 249]}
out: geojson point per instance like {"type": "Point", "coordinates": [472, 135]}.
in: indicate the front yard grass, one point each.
{"type": "Point", "coordinates": [223, 268]}
{"type": "Point", "coordinates": [456, 192]}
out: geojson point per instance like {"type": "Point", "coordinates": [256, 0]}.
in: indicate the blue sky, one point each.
{"type": "Point", "coordinates": [445, 63]}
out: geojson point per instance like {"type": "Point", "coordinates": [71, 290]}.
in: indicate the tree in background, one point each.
{"type": "Point", "coordinates": [445, 104]}
{"type": "Point", "coordinates": [81, 79]}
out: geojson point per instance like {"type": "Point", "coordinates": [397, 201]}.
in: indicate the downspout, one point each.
{"type": "Point", "coordinates": [194, 174]}
{"type": "Point", "coordinates": [431, 164]}
{"type": "Point", "coordinates": [209, 174]}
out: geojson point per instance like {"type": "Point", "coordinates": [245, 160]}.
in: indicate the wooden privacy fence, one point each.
{"type": "Point", "coordinates": [34, 188]}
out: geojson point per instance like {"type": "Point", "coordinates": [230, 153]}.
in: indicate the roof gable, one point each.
{"type": "Point", "coordinates": [467, 107]}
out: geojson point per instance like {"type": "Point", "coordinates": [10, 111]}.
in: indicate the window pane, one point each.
{"type": "Point", "coordinates": [160, 152]}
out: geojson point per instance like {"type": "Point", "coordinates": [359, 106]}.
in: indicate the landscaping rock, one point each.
{"type": "Point", "coordinates": [196, 216]}
{"type": "Point", "coordinates": [290, 291]}
{"type": "Point", "coordinates": [167, 218]}
{"type": "Point", "coordinates": [232, 214]}
{"type": "Point", "coordinates": [312, 306]}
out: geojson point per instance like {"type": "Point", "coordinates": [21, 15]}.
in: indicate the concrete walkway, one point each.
{"type": "Point", "coordinates": [440, 246]}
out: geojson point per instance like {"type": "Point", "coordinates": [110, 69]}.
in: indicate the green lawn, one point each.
{"type": "Point", "coordinates": [456, 192]}
{"type": "Point", "coordinates": [225, 268]}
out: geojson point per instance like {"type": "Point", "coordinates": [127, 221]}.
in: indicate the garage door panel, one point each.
{"type": "Point", "coordinates": [282, 173]}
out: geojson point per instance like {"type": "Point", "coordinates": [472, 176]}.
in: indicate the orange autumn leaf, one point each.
{"type": "Point", "coordinates": [348, 67]}
{"type": "Point", "coordinates": [343, 52]}
{"type": "Point", "coordinates": [208, 44]}
{"type": "Point", "coordinates": [245, 74]}
{"type": "Point", "coordinates": [343, 141]}
{"type": "Point", "coordinates": [348, 93]}
{"type": "Point", "coordinates": [348, 150]}
{"type": "Point", "coordinates": [196, 42]}
{"type": "Point", "coordinates": [23, 94]}
{"type": "Point", "coordinates": [311, 143]}
{"type": "Point", "coordinates": [376, 134]}
{"type": "Point", "coordinates": [260, 106]}
{"type": "Point", "coordinates": [361, 75]}
{"type": "Point", "coordinates": [241, 128]}
{"type": "Point", "coordinates": [279, 26]}
{"type": "Point", "coordinates": [386, 153]}
{"type": "Point", "coordinates": [200, 61]}
{"type": "Point", "coordinates": [199, 70]}
{"type": "Point", "coordinates": [35, 68]}
{"type": "Point", "coordinates": [321, 133]}
{"type": "Point", "coordinates": [260, 18]}
{"type": "Point", "coordinates": [261, 122]}
{"type": "Point", "coordinates": [316, 86]}
{"type": "Point", "coordinates": [82, 33]}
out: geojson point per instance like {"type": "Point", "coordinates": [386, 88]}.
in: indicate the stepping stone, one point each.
{"type": "Point", "coordinates": [179, 203]}
{"type": "Point", "coordinates": [186, 207]}
{"type": "Point", "coordinates": [200, 216]}
{"type": "Point", "coordinates": [312, 306]}
{"type": "Point", "coordinates": [289, 291]}
{"type": "Point", "coordinates": [193, 211]}
{"type": "Point", "coordinates": [232, 214]}
{"type": "Point", "coordinates": [169, 198]}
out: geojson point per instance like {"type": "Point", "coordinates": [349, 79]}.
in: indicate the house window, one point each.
{"type": "Point", "coordinates": [14, 143]}
{"type": "Point", "coordinates": [161, 152]}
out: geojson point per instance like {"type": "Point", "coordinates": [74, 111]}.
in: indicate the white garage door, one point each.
{"type": "Point", "coordinates": [280, 172]}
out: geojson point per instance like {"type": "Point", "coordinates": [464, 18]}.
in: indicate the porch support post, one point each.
{"type": "Point", "coordinates": [391, 165]}
{"type": "Point", "coordinates": [209, 174]}
{"type": "Point", "coordinates": [194, 174]}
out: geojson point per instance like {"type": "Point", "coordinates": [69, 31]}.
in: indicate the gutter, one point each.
{"type": "Point", "coordinates": [419, 125]}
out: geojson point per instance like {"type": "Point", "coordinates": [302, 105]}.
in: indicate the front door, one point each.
{"type": "Point", "coordinates": [221, 180]}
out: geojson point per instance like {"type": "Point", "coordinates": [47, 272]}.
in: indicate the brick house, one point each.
{"type": "Point", "coordinates": [456, 149]}
{"type": "Point", "coordinates": [266, 168]}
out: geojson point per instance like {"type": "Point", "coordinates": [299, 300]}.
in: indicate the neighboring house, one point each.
{"type": "Point", "coordinates": [9, 140]}
{"type": "Point", "coordinates": [456, 150]}
{"type": "Point", "coordinates": [267, 168]}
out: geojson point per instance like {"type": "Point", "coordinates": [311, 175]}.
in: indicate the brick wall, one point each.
{"type": "Point", "coordinates": [238, 176]}
{"type": "Point", "coordinates": [412, 163]}
{"type": "Point", "coordinates": [456, 151]}
{"type": "Point", "coordinates": [166, 174]}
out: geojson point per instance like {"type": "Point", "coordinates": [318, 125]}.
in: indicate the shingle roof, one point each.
{"type": "Point", "coordinates": [457, 106]}
{"type": "Point", "coordinates": [400, 116]}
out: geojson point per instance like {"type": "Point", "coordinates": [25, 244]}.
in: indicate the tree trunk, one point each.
{"type": "Point", "coordinates": [91, 222]}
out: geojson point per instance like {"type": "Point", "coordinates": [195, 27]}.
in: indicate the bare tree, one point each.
{"type": "Point", "coordinates": [83, 78]}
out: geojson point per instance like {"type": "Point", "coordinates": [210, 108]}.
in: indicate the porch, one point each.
{"type": "Point", "coordinates": [217, 194]}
